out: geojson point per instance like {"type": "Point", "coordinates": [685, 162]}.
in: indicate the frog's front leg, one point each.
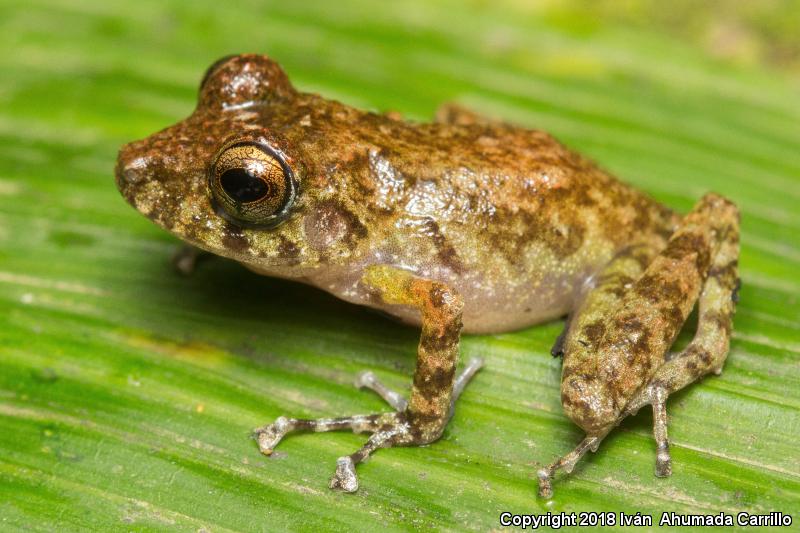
{"type": "Point", "coordinates": [185, 259]}
{"type": "Point", "coordinates": [615, 353]}
{"type": "Point", "coordinates": [435, 388]}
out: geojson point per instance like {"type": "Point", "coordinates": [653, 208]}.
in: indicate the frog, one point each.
{"type": "Point", "coordinates": [462, 225]}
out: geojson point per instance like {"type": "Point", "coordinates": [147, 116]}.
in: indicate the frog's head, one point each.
{"type": "Point", "coordinates": [228, 179]}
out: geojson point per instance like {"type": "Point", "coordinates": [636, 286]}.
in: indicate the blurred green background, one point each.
{"type": "Point", "coordinates": [128, 393]}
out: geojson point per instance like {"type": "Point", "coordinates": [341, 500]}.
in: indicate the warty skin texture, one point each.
{"type": "Point", "coordinates": [510, 218]}
{"type": "Point", "coordinates": [462, 224]}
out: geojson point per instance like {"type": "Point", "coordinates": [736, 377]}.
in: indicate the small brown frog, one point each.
{"type": "Point", "coordinates": [464, 224]}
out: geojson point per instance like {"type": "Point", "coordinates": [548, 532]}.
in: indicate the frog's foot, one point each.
{"type": "Point", "coordinates": [566, 463]}
{"type": "Point", "coordinates": [186, 258]}
{"type": "Point", "coordinates": [654, 395]}
{"type": "Point", "coordinates": [388, 429]}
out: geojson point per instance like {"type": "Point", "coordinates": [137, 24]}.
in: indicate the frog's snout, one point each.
{"type": "Point", "coordinates": [135, 167]}
{"type": "Point", "coordinates": [133, 170]}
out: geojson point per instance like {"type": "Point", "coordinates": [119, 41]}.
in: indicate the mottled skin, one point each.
{"type": "Point", "coordinates": [464, 224]}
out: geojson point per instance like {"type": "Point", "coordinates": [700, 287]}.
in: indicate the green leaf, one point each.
{"type": "Point", "coordinates": [128, 394]}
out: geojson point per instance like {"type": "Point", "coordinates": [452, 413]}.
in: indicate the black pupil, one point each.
{"type": "Point", "coordinates": [242, 186]}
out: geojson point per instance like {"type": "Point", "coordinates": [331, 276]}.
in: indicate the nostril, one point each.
{"type": "Point", "coordinates": [132, 170]}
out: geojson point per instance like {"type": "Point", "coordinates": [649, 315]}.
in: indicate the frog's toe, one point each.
{"type": "Point", "coordinates": [345, 478]}
{"type": "Point", "coordinates": [269, 436]}
{"type": "Point", "coordinates": [566, 463]}
{"type": "Point", "coordinates": [658, 399]}
{"type": "Point", "coordinates": [663, 461]}
{"type": "Point", "coordinates": [463, 379]}
{"type": "Point", "coordinates": [656, 395]}
{"type": "Point", "coordinates": [545, 483]}
{"type": "Point", "coordinates": [368, 380]}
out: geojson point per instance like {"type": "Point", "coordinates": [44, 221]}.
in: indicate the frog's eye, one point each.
{"type": "Point", "coordinates": [251, 184]}
{"type": "Point", "coordinates": [243, 80]}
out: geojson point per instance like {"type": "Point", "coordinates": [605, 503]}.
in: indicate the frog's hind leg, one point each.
{"type": "Point", "coordinates": [609, 287]}
{"type": "Point", "coordinates": [707, 351]}
{"type": "Point", "coordinates": [615, 354]}
{"type": "Point", "coordinates": [423, 417]}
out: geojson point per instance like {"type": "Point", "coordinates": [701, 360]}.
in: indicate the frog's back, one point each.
{"type": "Point", "coordinates": [512, 218]}
{"type": "Point", "coordinates": [508, 216]}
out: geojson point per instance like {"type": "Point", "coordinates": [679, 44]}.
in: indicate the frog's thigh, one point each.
{"type": "Point", "coordinates": [614, 352]}
{"type": "Point", "coordinates": [586, 326]}
{"type": "Point", "coordinates": [420, 420]}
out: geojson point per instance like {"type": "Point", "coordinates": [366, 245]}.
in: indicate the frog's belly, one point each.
{"type": "Point", "coordinates": [501, 314]}
{"type": "Point", "coordinates": [503, 308]}
{"type": "Point", "coordinates": [489, 307]}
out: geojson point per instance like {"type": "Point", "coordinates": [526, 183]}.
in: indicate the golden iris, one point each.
{"type": "Point", "coordinates": [251, 185]}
